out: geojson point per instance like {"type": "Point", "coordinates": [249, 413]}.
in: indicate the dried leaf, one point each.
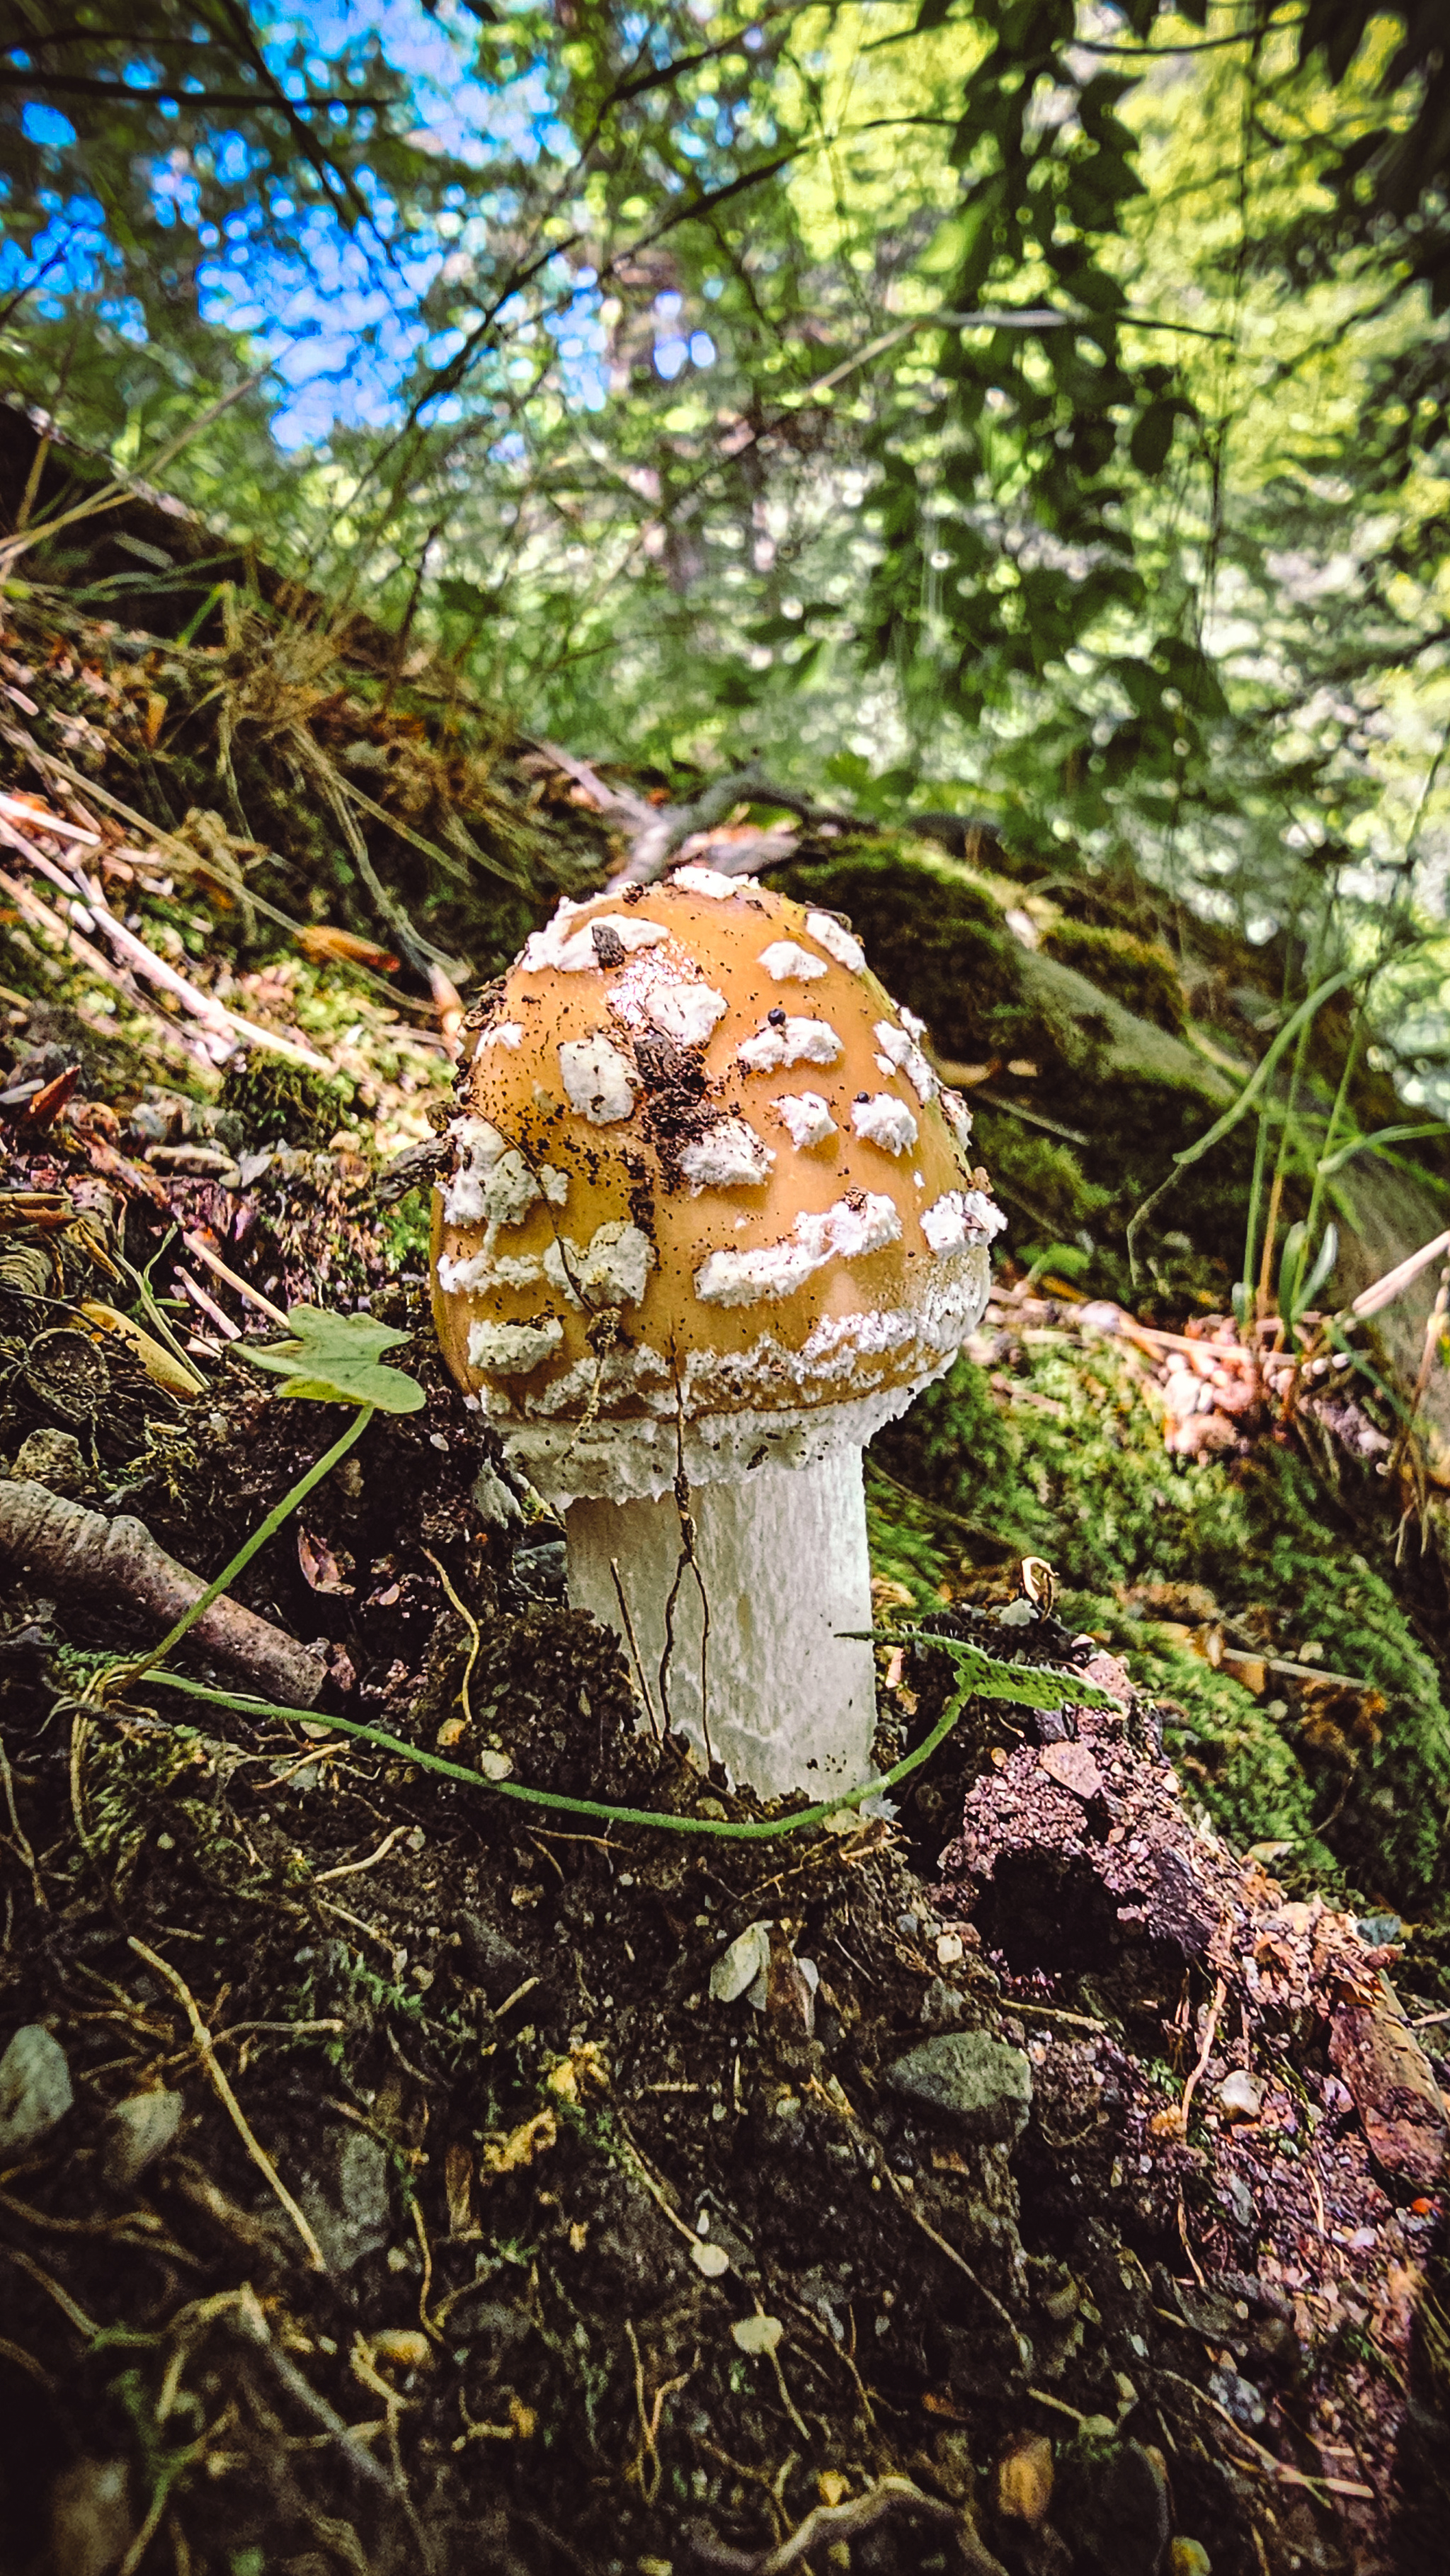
{"type": "Point", "coordinates": [458, 2184]}
{"type": "Point", "coordinates": [319, 940]}
{"type": "Point", "coordinates": [319, 1566]}
{"type": "Point", "coordinates": [506, 2155]}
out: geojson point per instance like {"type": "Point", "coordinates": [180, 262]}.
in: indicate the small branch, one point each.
{"type": "Point", "coordinates": [827, 2524]}
{"type": "Point", "coordinates": [1383, 1292]}
{"type": "Point", "coordinates": [197, 1244]}
{"type": "Point", "coordinates": [74, 1550]}
{"type": "Point", "coordinates": [662, 829]}
{"type": "Point", "coordinates": [199, 1609]}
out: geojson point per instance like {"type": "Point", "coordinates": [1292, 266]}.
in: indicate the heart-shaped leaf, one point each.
{"type": "Point", "coordinates": [337, 1359]}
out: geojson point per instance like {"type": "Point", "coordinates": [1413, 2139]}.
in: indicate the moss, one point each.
{"type": "Point", "coordinates": [1037, 1177]}
{"type": "Point", "coordinates": [1138, 972]}
{"type": "Point", "coordinates": [1064, 1458]}
{"type": "Point", "coordinates": [936, 939]}
{"type": "Point", "coordinates": [284, 1104]}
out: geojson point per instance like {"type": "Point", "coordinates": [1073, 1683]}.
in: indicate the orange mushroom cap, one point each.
{"type": "Point", "coordinates": [707, 1193]}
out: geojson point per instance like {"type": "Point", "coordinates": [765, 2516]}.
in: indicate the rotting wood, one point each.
{"type": "Point", "coordinates": [78, 1551]}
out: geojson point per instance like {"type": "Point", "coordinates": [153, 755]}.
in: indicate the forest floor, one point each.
{"type": "Point", "coordinates": [394, 2174]}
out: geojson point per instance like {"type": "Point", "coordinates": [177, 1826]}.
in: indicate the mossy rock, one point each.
{"type": "Point", "coordinates": [1073, 1468]}
{"type": "Point", "coordinates": [284, 1104]}
{"type": "Point", "coordinates": [1138, 972]}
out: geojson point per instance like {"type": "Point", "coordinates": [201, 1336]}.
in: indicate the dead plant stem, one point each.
{"type": "Point", "coordinates": [162, 1968]}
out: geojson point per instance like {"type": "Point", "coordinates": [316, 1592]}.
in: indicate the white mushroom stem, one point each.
{"type": "Point", "coordinates": [788, 1700]}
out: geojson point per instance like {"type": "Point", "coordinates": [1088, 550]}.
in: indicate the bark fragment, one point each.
{"type": "Point", "coordinates": [76, 1551]}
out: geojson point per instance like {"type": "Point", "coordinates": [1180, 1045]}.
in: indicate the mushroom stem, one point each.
{"type": "Point", "coordinates": [780, 1560]}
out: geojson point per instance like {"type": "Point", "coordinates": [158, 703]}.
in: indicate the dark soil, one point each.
{"type": "Point", "coordinates": [475, 2232]}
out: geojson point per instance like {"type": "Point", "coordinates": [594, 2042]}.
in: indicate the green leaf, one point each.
{"type": "Point", "coordinates": [1028, 1685]}
{"type": "Point", "coordinates": [336, 1359]}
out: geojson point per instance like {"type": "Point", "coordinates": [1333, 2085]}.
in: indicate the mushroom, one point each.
{"type": "Point", "coordinates": [710, 1223]}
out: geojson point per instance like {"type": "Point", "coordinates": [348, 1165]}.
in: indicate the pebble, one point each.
{"type": "Point", "coordinates": [1024, 2479]}
{"type": "Point", "coordinates": [35, 2089]}
{"type": "Point", "coordinates": [137, 2131]}
{"type": "Point", "coordinates": [54, 1459]}
{"type": "Point", "coordinates": [1241, 2094]}
{"type": "Point", "coordinates": [756, 2334]}
{"type": "Point", "coordinates": [983, 2086]}
{"type": "Point", "coordinates": [91, 2523]}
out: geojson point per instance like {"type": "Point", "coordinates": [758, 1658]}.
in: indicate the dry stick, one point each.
{"type": "Point", "coordinates": [77, 1550]}
{"type": "Point", "coordinates": [350, 1868]}
{"type": "Point", "coordinates": [201, 1249]}
{"type": "Point", "coordinates": [1277, 2468]}
{"type": "Point", "coordinates": [75, 2316]}
{"type": "Point", "coordinates": [1205, 2052]}
{"type": "Point", "coordinates": [212, 1014]}
{"type": "Point", "coordinates": [69, 941]}
{"type": "Point", "coordinates": [829, 2524]}
{"type": "Point", "coordinates": [16, 810]}
{"type": "Point", "coordinates": [1383, 1292]}
{"type": "Point", "coordinates": [1024, 2349]}
{"type": "Point", "coordinates": [225, 1025]}
{"type": "Point", "coordinates": [214, 1314]}
{"type": "Point", "coordinates": [250, 2320]}
{"type": "Point", "coordinates": [649, 1706]}
{"type": "Point", "coordinates": [227, 2097]}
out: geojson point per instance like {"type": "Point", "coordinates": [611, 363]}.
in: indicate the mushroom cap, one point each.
{"type": "Point", "coordinates": [709, 1202]}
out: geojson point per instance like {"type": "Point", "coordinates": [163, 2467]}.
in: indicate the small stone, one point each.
{"type": "Point", "coordinates": [402, 2348]}
{"type": "Point", "coordinates": [54, 1459]}
{"type": "Point", "coordinates": [942, 2005]}
{"type": "Point", "coordinates": [91, 2524]}
{"type": "Point", "coordinates": [137, 2132]}
{"type": "Point", "coordinates": [1239, 2202]}
{"type": "Point", "coordinates": [349, 2202]}
{"type": "Point", "coordinates": [737, 1968]}
{"type": "Point", "coordinates": [1072, 1767]}
{"type": "Point", "coordinates": [1189, 2558]}
{"type": "Point", "coordinates": [756, 2334]}
{"type": "Point", "coordinates": [1377, 2056]}
{"type": "Point", "coordinates": [980, 2084]}
{"type": "Point", "coordinates": [35, 2090]}
{"type": "Point", "coordinates": [949, 1949]}
{"type": "Point", "coordinates": [1241, 2094]}
{"type": "Point", "coordinates": [1024, 2479]}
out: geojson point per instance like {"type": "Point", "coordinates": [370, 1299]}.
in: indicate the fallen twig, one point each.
{"type": "Point", "coordinates": [249, 2319]}
{"type": "Point", "coordinates": [827, 2524]}
{"type": "Point", "coordinates": [73, 1549]}
{"type": "Point", "coordinates": [198, 1245]}
{"type": "Point", "coordinates": [1383, 1292]}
